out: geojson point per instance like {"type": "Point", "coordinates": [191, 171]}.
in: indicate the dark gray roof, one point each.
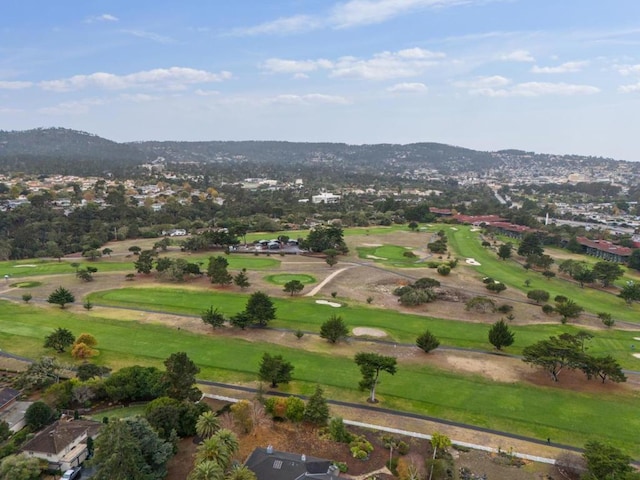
{"type": "Point", "coordinates": [270, 464]}
{"type": "Point", "coordinates": [7, 395]}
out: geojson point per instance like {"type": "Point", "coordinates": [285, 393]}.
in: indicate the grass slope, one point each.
{"type": "Point", "coordinates": [540, 412]}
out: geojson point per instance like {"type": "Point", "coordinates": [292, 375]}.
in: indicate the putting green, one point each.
{"type": "Point", "coordinates": [25, 284]}
{"type": "Point", "coordinates": [282, 278]}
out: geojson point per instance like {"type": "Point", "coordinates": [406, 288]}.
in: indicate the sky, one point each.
{"type": "Point", "coordinates": [552, 76]}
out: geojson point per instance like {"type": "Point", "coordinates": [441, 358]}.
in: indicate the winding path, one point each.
{"type": "Point", "coordinates": [318, 287]}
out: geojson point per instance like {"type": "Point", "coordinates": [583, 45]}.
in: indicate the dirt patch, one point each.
{"type": "Point", "coordinates": [495, 367]}
{"type": "Point", "coordinates": [371, 332]}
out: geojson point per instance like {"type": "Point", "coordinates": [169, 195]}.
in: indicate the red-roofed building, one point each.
{"type": "Point", "coordinates": [605, 250]}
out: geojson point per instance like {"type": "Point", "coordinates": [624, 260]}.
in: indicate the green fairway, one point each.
{"type": "Point", "coordinates": [30, 268]}
{"type": "Point", "coordinates": [467, 244]}
{"type": "Point", "coordinates": [541, 412]}
{"type": "Point", "coordinates": [303, 313]}
{"type": "Point", "coordinates": [237, 261]}
{"type": "Point", "coordinates": [282, 278]}
{"type": "Point", "coordinates": [393, 255]}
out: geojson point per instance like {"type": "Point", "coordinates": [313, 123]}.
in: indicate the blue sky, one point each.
{"type": "Point", "coordinates": [555, 76]}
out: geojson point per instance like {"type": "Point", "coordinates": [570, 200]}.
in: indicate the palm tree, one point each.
{"type": "Point", "coordinates": [229, 440]}
{"type": "Point", "coordinates": [240, 472]}
{"type": "Point", "coordinates": [214, 449]}
{"type": "Point", "coordinates": [206, 470]}
{"type": "Point", "coordinates": [207, 424]}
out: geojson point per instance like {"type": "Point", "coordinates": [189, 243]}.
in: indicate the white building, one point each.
{"type": "Point", "coordinates": [325, 197]}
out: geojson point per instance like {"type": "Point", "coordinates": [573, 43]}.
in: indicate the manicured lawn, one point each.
{"type": "Point", "coordinates": [30, 268]}
{"type": "Point", "coordinates": [282, 278]}
{"type": "Point", "coordinates": [303, 313]}
{"type": "Point", "coordinates": [392, 255]}
{"type": "Point", "coordinates": [541, 412]}
{"type": "Point", "coordinates": [121, 412]}
{"type": "Point", "coordinates": [237, 261]}
{"type": "Point", "coordinates": [467, 244]}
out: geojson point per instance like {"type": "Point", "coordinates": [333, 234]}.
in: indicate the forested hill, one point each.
{"type": "Point", "coordinates": [59, 150]}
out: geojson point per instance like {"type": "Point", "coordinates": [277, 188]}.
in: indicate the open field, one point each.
{"type": "Point", "coordinates": [477, 388]}
{"type": "Point", "coordinates": [303, 313]}
{"type": "Point", "coordinates": [534, 410]}
{"type": "Point", "coordinates": [466, 243]}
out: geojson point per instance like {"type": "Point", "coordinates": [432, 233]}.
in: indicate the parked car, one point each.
{"type": "Point", "coordinates": [72, 474]}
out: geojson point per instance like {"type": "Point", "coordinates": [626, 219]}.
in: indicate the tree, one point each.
{"type": "Point", "coordinates": [324, 238]}
{"type": "Point", "coordinates": [275, 369]}
{"type": "Point", "coordinates": [206, 470]}
{"type": "Point", "coordinates": [82, 351]}
{"type": "Point", "coordinates": [634, 259]}
{"type": "Point", "coordinates": [334, 329]}
{"type": "Point", "coordinates": [604, 367]}
{"type": "Point", "coordinates": [38, 415]}
{"type": "Point", "coordinates": [260, 309]}
{"type": "Point", "coordinates": [207, 424]}
{"type": "Point", "coordinates": [241, 279]}
{"type": "Point", "coordinates": [317, 409]}
{"type": "Point", "coordinates": [60, 339]}
{"type": "Point", "coordinates": [40, 374]}
{"type": "Point", "coordinates": [538, 296]}
{"type": "Point", "coordinates": [87, 371]}
{"type": "Point", "coordinates": [84, 274]}
{"type": "Point", "coordinates": [504, 251]}
{"type": "Point", "coordinates": [20, 467]}
{"type": "Point", "coordinates": [217, 271]}
{"type": "Point", "coordinates": [554, 354]}
{"type": "Point", "coordinates": [607, 319]}
{"type": "Point", "coordinates": [427, 341]}
{"type": "Point", "coordinates": [413, 226]}
{"type": "Point", "coordinates": [438, 442]}
{"type": "Point", "coordinates": [630, 292]}
{"type": "Point", "coordinates": [107, 251]}
{"type": "Point", "coordinates": [135, 383]}
{"type": "Point", "coordinates": [607, 272]}
{"type": "Point", "coordinates": [568, 309]}
{"type": "Point", "coordinates": [170, 417]}
{"type": "Point", "coordinates": [144, 263]}
{"type": "Point", "coordinates": [607, 462]}
{"type": "Point", "coordinates": [371, 365]}
{"type": "Point", "coordinates": [530, 245]}
{"type": "Point", "coordinates": [240, 472]}
{"type": "Point", "coordinates": [26, 297]}
{"type": "Point", "coordinates": [61, 296]}
{"type": "Point", "coordinates": [136, 250]}
{"type": "Point", "coordinates": [293, 287]}
{"type": "Point", "coordinates": [241, 320]}
{"type": "Point", "coordinates": [87, 339]}
{"type": "Point", "coordinates": [496, 287]}
{"type": "Point", "coordinates": [213, 317]}
{"type": "Point", "coordinates": [180, 377]}
{"type": "Point", "coordinates": [331, 257]}
{"type": "Point", "coordinates": [500, 335]}
{"type": "Point", "coordinates": [130, 450]}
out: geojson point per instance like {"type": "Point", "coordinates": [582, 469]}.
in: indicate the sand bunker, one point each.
{"type": "Point", "coordinates": [637, 355]}
{"type": "Point", "coordinates": [326, 302]}
{"type": "Point", "coordinates": [636, 338]}
{"type": "Point", "coordinates": [371, 332]}
{"type": "Point", "coordinates": [371, 244]}
{"type": "Point", "coordinates": [475, 229]}
{"type": "Point", "coordinates": [25, 265]}
{"type": "Point", "coordinates": [472, 261]}
{"type": "Point", "coordinates": [373, 257]}
{"type": "Point", "coordinates": [454, 229]}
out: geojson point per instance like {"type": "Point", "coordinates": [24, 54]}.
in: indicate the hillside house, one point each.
{"type": "Point", "coordinates": [270, 464]}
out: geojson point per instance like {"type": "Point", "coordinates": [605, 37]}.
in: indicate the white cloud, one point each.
{"type": "Point", "coordinates": [154, 37]}
{"type": "Point", "coordinates": [536, 89]}
{"type": "Point", "coordinates": [567, 67]}
{"type": "Point", "coordinates": [138, 97]}
{"type": "Point", "coordinates": [628, 69]}
{"type": "Point", "coordinates": [408, 88]}
{"type": "Point", "coordinates": [14, 85]}
{"type": "Point", "coordinates": [351, 13]}
{"type": "Point", "coordinates": [367, 12]}
{"type": "Point", "coordinates": [633, 88]}
{"type": "Point", "coordinates": [493, 81]}
{"type": "Point", "coordinates": [382, 66]}
{"type": "Point", "coordinates": [308, 99]}
{"type": "Point", "coordinates": [105, 17]}
{"type": "Point", "coordinates": [4, 110]}
{"type": "Point", "coordinates": [206, 93]}
{"type": "Point", "coordinates": [160, 78]}
{"type": "Point", "coordinates": [78, 107]}
{"type": "Point", "coordinates": [281, 26]}
{"type": "Point", "coordinates": [278, 65]}
{"type": "Point", "coordinates": [518, 56]}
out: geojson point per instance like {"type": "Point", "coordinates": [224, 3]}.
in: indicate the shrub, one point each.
{"type": "Point", "coordinates": [409, 255]}
{"type": "Point", "coordinates": [547, 309]}
{"type": "Point", "coordinates": [403, 448]}
{"type": "Point", "coordinates": [338, 431]}
{"type": "Point", "coordinates": [426, 282]}
{"type": "Point", "coordinates": [444, 270]}
{"type": "Point", "coordinates": [294, 409]}
{"type": "Point", "coordinates": [427, 341]}
{"type": "Point", "coordinates": [398, 292]}
{"type": "Point", "coordinates": [360, 447]}
{"type": "Point", "coordinates": [496, 287]}
{"type": "Point", "coordinates": [505, 308]}
{"type": "Point", "coordinates": [606, 319]}
{"type": "Point", "coordinates": [342, 467]}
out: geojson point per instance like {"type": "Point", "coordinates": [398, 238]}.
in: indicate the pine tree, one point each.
{"type": "Point", "coordinates": [500, 335]}
{"type": "Point", "coordinates": [317, 409]}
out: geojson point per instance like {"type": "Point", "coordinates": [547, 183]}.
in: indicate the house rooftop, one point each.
{"type": "Point", "coordinates": [57, 436]}
{"type": "Point", "coordinates": [270, 464]}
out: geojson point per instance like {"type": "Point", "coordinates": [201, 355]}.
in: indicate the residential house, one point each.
{"type": "Point", "coordinates": [12, 410]}
{"type": "Point", "coordinates": [64, 443]}
{"type": "Point", "coordinates": [270, 464]}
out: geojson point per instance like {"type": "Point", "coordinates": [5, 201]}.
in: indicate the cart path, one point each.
{"type": "Point", "coordinates": [318, 287]}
